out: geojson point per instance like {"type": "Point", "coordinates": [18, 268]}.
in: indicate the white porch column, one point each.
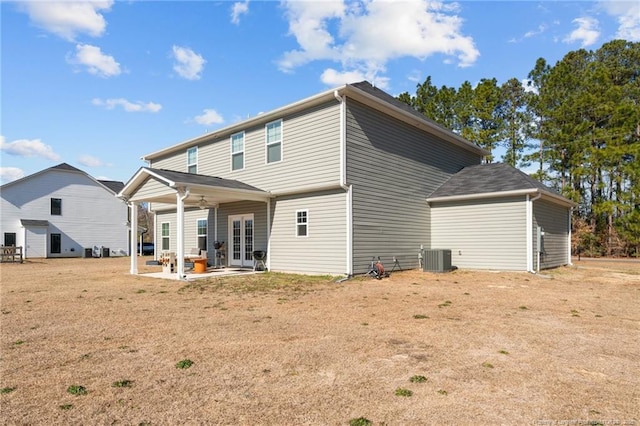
{"type": "Point", "coordinates": [268, 234]}
{"type": "Point", "coordinates": [180, 196]}
{"type": "Point", "coordinates": [133, 252]}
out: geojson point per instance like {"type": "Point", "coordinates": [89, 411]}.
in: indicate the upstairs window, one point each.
{"type": "Point", "coordinates": [274, 141]}
{"type": "Point", "coordinates": [237, 151]}
{"type": "Point", "coordinates": [192, 160]}
{"type": "Point", "coordinates": [302, 223]}
{"type": "Point", "coordinates": [56, 206]}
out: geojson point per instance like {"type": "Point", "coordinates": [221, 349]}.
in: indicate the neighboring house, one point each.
{"type": "Point", "coordinates": [61, 211]}
{"type": "Point", "coordinates": [324, 185]}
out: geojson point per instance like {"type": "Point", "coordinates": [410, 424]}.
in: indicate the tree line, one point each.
{"type": "Point", "coordinates": [577, 123]}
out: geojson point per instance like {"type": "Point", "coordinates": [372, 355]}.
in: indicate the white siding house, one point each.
{"type": "Point", "coordinates": [60, 211]}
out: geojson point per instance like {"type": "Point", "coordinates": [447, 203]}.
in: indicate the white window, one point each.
{"type": "Point", "coordinates": [274, 141]}
{"type": "Point", "coordinates": [202, 233]}
{"type": "Point", "coordinates": [237, 151]}
{"type": "Point", "coordinates": [165, 236]}
{"type": "Point", "coordinates": [302, 223]}
{"type": "Point", "coordinates": [192, 160]}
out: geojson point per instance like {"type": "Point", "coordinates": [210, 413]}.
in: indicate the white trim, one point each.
{"type": "Point", "coordinates": [232, 153]}
{"type": "Point", "coordinates": [500, 194]}
{"type": "Point", "coordinates": [243, 218]}
{"type": "Point", "coordinates": [268, 265]}
{"type": "Point", "coordinates": [162, 236]}
{"type": "Point", "coordinates": [350, 231]}
{"type": "Point", "coordinates": [306, 222]}
{"type": "Point", "coordinates": [133, 238]}
{"type": "Point", "coordinates": [206, 235]}
{"type": "Point", "coordinates": [192, 164]}
{"type": "Point", "coordinates": [305, 189]}
{"type": "Point", "coordinates": [570, 214]}
{"type": "Point", "coordinates": [267, 144]}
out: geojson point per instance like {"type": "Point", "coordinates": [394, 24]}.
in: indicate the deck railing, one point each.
{"type": "Point", "coordinates": [11, 254]}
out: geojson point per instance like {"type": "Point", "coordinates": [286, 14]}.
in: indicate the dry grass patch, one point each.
{"type": "Point", "coordinates": [286, 349]}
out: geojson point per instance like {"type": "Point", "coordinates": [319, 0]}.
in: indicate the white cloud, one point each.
{"type": "Point", "coordinates": [239, 8]}
{"type": "Point", "coordinates": [90, 161]}
{"type": "Point", "coordinates": [331, 77]}
{"type": "Point", "coordinates": [128, 106]}
{"type": "Point", "coordinates": [208, 117]}
{"type": "Point", "coordinates": [366, 35]}
{"type": "Point", "coordinates": [587, 32]}
{"type": "Point", "coordinates": [28, 148]}
{"type": "Point", "coordinates": [541, 28]}
{"type": "Point", "coordinates": [67, 19]}
{"type": "Point", "coordinates": [188, 64]}
{"type": "Point", "coordinates": [97, 63]}
{"type": "Point", "coordinates": [9, 174]}
{"type": "Point", "coordinates": [628, 15]}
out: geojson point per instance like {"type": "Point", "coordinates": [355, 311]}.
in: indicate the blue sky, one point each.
{"type": "Point", "coordinates": [100, 84]}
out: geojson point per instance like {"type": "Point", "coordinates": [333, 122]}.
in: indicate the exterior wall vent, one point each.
{"type": "Point", "coordinates": [436, 260]}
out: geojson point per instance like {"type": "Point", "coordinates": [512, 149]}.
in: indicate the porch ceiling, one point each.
{"type": "Point", "coordinates": [203, 191]}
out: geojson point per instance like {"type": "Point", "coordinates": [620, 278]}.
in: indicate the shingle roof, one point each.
{"type": "Point", "coordinates": [367, 87]}
{"type": "Point", "coordinates": [65, 166]}
{"type": "Point", "coordinates": [195, 179]}
{"type": "Point", "coordinates": [487, 178]}
{"type": "Point", "coordinates": [113, 185]}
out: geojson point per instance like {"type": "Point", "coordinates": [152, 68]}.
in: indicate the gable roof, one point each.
{"type": "Point", "coordinates": [113, 186]}
{"type": "Point", "coordinates": [488, 180]}
{"type": "Point", "coordinates": [199, 186]}
{"type": "Point", "coordinates": [363, 92]}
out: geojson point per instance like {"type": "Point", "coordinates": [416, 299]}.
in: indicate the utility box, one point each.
{"type": "Point", "coordinates": [436, 260]}
{"type": "Point", "coordinates": [88, 252]}
{"type": "Point", "coordinates": [105, 251]}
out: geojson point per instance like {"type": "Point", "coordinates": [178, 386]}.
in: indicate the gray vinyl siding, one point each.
{"type": "Point", "coordinates": [482, 234]}
{"type": "Point", "coordinates": [323, 251]}
{"type": "Point", "coordinates": [149, 189]}
{"type": "Point", "coordinates": [310, 153]}
{"type": "Point", "coordinates": [259, 211]}
{"type": "Point", "coordinates": [554, 219]}
{"type": "Point", "coordinates": [393, 168]}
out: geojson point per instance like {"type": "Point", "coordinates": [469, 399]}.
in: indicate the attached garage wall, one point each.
{"type": "Point", "coordinates": [554, 220]}
{"type": "Point", "coordinates": [482, 234]}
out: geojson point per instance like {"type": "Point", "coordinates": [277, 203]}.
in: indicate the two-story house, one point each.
{"type": "Point", "coordinates": [323, 185]}
{"type": "Point", "coordinates": [61, 211]}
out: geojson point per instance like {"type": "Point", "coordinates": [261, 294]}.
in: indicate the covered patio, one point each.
{"type": "Point", "coordinates": [167, 190]}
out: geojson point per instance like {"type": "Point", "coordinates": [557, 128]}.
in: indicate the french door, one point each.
{"type": "Point", "coordinates": [241, 240]}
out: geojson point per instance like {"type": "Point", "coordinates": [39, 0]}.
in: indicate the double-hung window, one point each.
{"type": "Point", "coordinates": [202, 233]}
{"type": "Point", "coordinates": [165, 236]}
{"type": "Point", "coordinates": [56, 206]}
{"type": "Point", "coordinates": [274, 141]}
{"type": "Point", "coordinates": [192, 160]}
{"type": "Point", "coordinates": [237, 151]}
{"type": "Point", "coordinates": [302, 223]}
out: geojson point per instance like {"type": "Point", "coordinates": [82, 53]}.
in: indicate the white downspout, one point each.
{"type": "Point", "coordinates": [343, 182]}
{"type": "Point", "coordinates": [569, 237]}
{"type": "Point", "coordinates": [181, 195]}
{"type": "Point", "coordinates": [133, 252]}
{"type": "Point", "coordinates": [529, 235]}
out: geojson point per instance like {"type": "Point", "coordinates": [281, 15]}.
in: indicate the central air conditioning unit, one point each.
{"type": "Point", "coordinates": [436, 260]}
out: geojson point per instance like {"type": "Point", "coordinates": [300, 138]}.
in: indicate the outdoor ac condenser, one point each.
{"type": "Point", "coordinates": [436, 260]}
